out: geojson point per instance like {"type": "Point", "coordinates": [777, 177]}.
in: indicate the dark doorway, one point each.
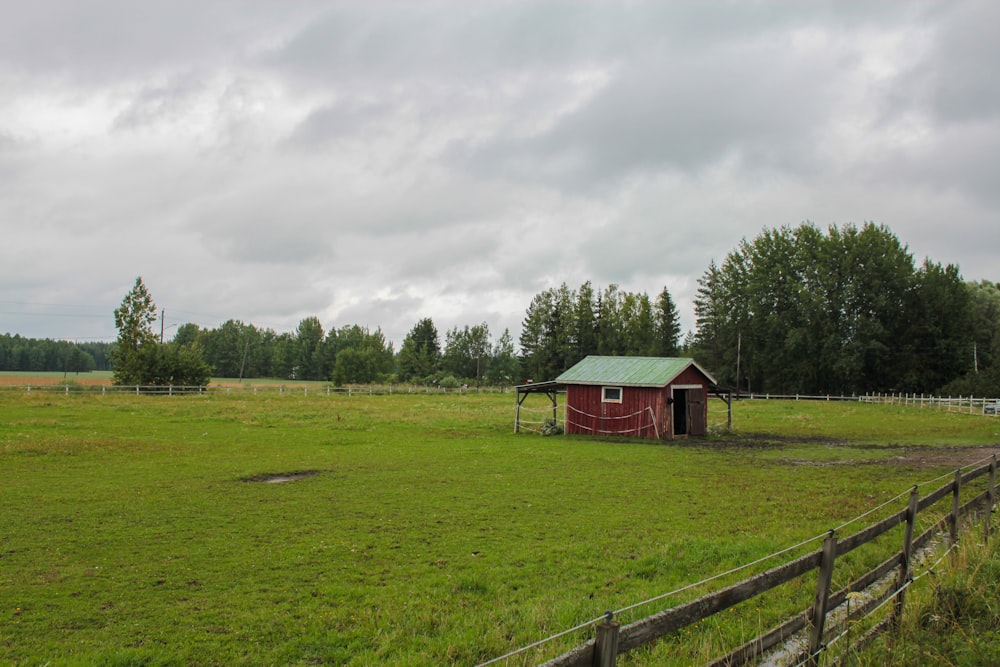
{"type": "Point", "coordinates": [680, 411]}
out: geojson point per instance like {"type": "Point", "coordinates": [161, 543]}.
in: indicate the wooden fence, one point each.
{"type": "Point", "coordinates": [817, 622]}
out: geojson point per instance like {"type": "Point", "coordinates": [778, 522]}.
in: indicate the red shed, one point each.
{"type": "Point", "coordinates": [650, 397]}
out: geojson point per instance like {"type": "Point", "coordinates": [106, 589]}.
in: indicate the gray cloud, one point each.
{"type": "Point", "coordinates": [379, 163]}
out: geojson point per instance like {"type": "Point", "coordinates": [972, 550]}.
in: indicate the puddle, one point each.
{"type": "Point", "coordinates": [280, 477]}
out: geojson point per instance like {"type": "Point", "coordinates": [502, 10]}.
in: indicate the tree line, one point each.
{"type": "Point", "coordinates": [33, 354]}
{"type": "Point", "coordinates": [563, 325]}
{"type": "Point", "coordinates": [347, 355]}
{"type": "Point", "coordinates": [795, 310]}
{"type": "Point", "coordinates": [353, 354]}
{"type": "Point", "coordinates": [842, 310]}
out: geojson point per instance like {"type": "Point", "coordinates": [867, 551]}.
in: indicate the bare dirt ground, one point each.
{"type": "Point", "coordinates": [935, 457]}
{"type": "Point", "coordinates": [919, 456]}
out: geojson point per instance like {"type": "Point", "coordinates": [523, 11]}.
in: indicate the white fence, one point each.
{"type": "Point", "coordinates": [290, 390]}
{"type": "Point", "coordinates": [963, 404]}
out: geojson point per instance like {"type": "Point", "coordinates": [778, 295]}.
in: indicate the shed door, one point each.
{"type": "Point", "coordinates": [690, 416]}
{"type": "Point", "coordinates": [697, 415]}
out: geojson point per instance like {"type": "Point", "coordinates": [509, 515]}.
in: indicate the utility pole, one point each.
{"type": "Point", "coordinates": [975, 357]}
{"type": "Point", "coordinates": [243, 364]}
{"type": "Point", "coordinates": [739, 347]}
{"type": "Point", "coordinates": [162, 313]}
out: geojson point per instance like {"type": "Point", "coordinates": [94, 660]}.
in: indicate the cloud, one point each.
{"type": "Point", "coordinates": [383, 162]}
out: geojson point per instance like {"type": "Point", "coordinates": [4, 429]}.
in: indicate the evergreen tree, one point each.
{"type": "Point", "coordinates": [140, 358]}
{"type": "Point", "coordinates": [610, 327]}
{"type": "Point", "coordinates": [800, 311]}
{"type": "Point", "coordinates": [134, 320]}
{"type": "Point", "coordinates": [420, 353]}
{"type": "Point", "coordinates": [940, 319]}
{"type": "Point", "coordinates": [666, 326]}
{"type": "Point", "coordinates": [538, 358]}
{"type": "Point", "coordinates": [585, 321]}
{"type": "Point", "coordinates": [309, 362]}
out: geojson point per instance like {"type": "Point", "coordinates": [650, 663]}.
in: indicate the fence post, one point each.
{"type": "Point", "coordinates": [822, 596]}
{"type": "Point", "coordinates": [953, 517]}
{"type": "Point", "coordinates": [990, 498]}
{"type": "Point", "coordinates": [606, 643]}
{"type": "Point", "coordinates": [729, 412]}
{"type": "Point", "coordinates": [906, 566]}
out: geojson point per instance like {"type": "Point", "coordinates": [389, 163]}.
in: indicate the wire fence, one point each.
{"type": "Point", "coordinates": [961, 404]}
{"type": "Point", "coordinates": [540, 420]}
{"type": "Point", "coordinates": [827, 627]}
{"type": "Point", "coordinates": [636, 424]}
{"type": "Point", "coordinates": [964, 405]}
{"type": "Point", "coordinates": [538, 417]}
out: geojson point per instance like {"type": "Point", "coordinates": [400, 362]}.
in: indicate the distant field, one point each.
{"type": "Point", "coordinates": [98, 378]}
{"type": "Point", "coordinates": [414, 530]}
{"type": "Point", "coordinates": [54, 377]}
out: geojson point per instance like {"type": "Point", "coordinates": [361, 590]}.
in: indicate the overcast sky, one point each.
{"type": "Point", "coordinates": [376, 163]}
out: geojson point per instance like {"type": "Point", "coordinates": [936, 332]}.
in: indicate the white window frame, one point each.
{"type": "Point", "coordinates": [604, 395]}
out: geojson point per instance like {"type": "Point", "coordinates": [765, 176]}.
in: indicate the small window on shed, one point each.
{"type": "Point", "coordinates": [611, 395]}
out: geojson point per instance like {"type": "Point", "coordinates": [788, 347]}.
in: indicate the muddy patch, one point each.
{"type": "Point", "coordinates": [935, 457]}
{"type": "Point", "coordinates": [280, 477]}
{"type": "Point", "coordinates": [756, 441]}
{"type": "Point", "coordinates": [914, 456]}
{"type": "Point", "coordinates": [895, 454]}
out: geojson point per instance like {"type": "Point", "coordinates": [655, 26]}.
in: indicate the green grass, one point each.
{"type": "Point", "coordinates": [952, 620]}
{"type": "Point", "coordinates": [430, 533]}
{"type": "Point", "coordinates": [863, 423]}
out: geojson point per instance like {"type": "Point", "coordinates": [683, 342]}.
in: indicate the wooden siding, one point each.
{"type": "Point", "coordinates": [643, 412]}
{"type": "Point", "coordinates": [691, 375]}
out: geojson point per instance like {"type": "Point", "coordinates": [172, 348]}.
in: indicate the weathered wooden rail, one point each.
{"type": "Point", "coordinates": [613, 639]}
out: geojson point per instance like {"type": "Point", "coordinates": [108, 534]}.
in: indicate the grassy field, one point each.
{"type": "Point", "coordinates": [141, 530]}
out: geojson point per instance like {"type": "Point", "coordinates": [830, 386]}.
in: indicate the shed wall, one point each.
{"type": "Point", "coordinates": [697, 406]}
{"type": "Point", "coordinates": [691, 375]}
{"type": "Point", "coordinates": [642, 412]}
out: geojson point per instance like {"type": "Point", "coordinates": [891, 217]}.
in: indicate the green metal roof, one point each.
{"type": "Point", "coordinates": [629, 371]}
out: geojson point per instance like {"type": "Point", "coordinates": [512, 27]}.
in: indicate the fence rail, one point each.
{"type": "Point", "coordinates": [964, 404]}
{"type": "Point", "coordinates": [825, 620]}
{"type": "Point", "coordinates": [291, 390]}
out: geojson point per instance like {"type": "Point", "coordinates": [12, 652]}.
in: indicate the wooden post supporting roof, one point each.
{"type": "Point", "coordinates": [550, 389]}
{"type": "Point", "coordinates": [727, 397]}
